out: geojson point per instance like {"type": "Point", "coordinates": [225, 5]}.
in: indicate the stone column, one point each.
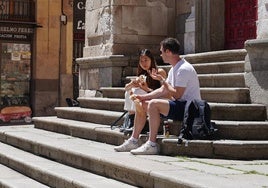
{"type": "Point", "coordinates": [257, 59]}
{"type": "Point", "coordinates": [119, 29]}
{"type": "Point", "coordinates": [189, 36]}
{"type": "Point", "coordinates": [262, 32]}
{"type": "Point", "coordinates": [209, 24]}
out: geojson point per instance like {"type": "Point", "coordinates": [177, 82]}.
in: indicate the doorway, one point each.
{"type": "Point", "coordinates": [240, 22]}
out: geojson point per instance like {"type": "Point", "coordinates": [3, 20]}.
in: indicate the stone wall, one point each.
{"type": "Point", "coordinates": [52, 66]}
{"type": "Point", "coordinates": [257, 59]}
{"type": "Point", "coordinates": [183, 11]}
{"type": "Point", "coordinates": [256, 67]}
{"type": "Point", "coordinates": [102, 71]}
{"type": "Point", "coordinates": [115, 32]}
{"type": "Point", "coordinates": [123, 27]}
{"type": "Point", "coordinates": [262, 22]}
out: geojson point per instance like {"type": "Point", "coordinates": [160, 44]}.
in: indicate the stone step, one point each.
{"type": "Point", "coordinates": [226, 61]}
{"type": "Point", "coordinates": [242, 130]}
{"type": "Point", "coordinates": [100, 158]}
{"type": "Point", "coordinates": [226, 95]}
{"type": "Point", "coordinates": [222, 95]}
{"type": "Point", "coordinates": [87, 130]}
{"type": "Point", "coordinates": [237, 130]}
{"type": "Point", "coordinates": [238, 112]}
{"type": "Point", "coordinates": [234, 130]}
{"type": "Point", "coordinates": [10, 178]}
{"type": "Point", "coordinates": [51, 173]}
{"type": "Point", "coordinates": [231, 149]}
{"type": "Point", "coordinates": [89, 115]}
{"type": "Point", "coordinates": [230, 80]}
{"type": "Point", "coordinates": [219, 111]}
{"type": "Point", "coordinates": [222, 80]}
{"type": "Point", "coordinates": [220, 67]}
{"type": "Point", "coordinates": [112, 92]}
{"type": "Point", "coordinates": [217, 56]}
{"type": "Point", "coordinates": [215, 67]}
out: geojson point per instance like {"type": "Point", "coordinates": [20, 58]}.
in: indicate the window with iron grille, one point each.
{"type": "Point", "coordinates": [17, 10]}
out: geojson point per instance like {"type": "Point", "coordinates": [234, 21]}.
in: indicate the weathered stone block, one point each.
{"type": "Point", "coordinates": [184, 6]}
{"type": "Point", "coordinates": [256, 67]}
{"type": "Point", "coordinates": [105, 71]}
{"type": "Point", "coordinates": [136, 20]}
{"type": "Point", "coordinates": [45, 102]}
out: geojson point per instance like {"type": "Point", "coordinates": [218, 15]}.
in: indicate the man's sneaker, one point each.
{"type": "Point", "coordinates": [145, 149]}
{"type": "Point", "coordinates": [128, 145]}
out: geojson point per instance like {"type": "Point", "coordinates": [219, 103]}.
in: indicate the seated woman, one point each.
{"type": "Point", "coordinates": [144, 83]}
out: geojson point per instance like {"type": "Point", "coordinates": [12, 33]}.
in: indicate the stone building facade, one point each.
{"type": "Point", "coordinates": [121, 27]}
{"type": "Point", "coordinates": [39, 33]}
{"type": "Point", "coordinates": [52, 64]}
{"type": "Point", "coordinates": [116, 30]}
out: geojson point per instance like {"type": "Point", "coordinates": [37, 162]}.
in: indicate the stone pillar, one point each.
{"type": "Point", "coordinates": [183, 11]}
{"type": "Point", "coordinates": [256, 66]}
{"type": "Point", "coordinates": [115, 31]}
{"type": "Point", "coordinates": [262, 32]}
{"type": "Point", "coordinates": [189, 36]}
{"type": "Point", "coordinates": [209, 25]}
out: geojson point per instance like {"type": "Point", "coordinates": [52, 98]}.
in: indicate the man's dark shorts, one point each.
{"type": "Point", "coordinates": [176, 110]}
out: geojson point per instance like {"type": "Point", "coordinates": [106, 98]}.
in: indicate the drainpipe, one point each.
{"type": "Point", "coordinates": [63, 22]}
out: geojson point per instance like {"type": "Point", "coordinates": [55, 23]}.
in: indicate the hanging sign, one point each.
{"type": "Point", "coordinates": [79, 7]}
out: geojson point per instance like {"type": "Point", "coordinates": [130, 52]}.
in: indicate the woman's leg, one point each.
{"type": "Point", "coordinates": [155, 108]}
{"type": "Point", "coordinates": [140, 119]}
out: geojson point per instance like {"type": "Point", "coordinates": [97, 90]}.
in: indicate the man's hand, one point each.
{"type": "Point", "coordinates": [140, 98]}
{"type": "Point", "coordinates": [136, 98]}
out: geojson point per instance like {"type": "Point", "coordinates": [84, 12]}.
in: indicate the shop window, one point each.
{"type": "Point", "coordinates": [15, 70]}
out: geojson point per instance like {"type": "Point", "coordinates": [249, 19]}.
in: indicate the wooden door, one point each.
{"type": "Point", "coordinates": [240, 22]}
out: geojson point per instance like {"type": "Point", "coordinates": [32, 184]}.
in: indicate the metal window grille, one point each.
{"type": "Point", "coordinates": [78, 48]}
{"type": "Point", "coordinates": [17, 10]}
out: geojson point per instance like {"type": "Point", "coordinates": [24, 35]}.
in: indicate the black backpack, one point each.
{"type": "Point", "coordinates": [197, 123]}
{"type": "Point", "coordinates": [72, 102]}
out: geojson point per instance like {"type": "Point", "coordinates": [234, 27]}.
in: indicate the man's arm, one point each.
{"type": "Point", "coordinates": [165, 91]}
{"type": "Point", "coordinates": [176, 92]}
{"type": "Point", "coordinates": [158, 93]}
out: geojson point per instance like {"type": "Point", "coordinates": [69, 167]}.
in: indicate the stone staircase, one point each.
{"type": "Point", "coordinates": [242, 126]}
{"type": "Point", "coordinates": [75, 147]}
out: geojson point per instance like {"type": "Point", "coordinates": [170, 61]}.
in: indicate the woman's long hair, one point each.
{"type": "Point", "coordinates": [153, 84]}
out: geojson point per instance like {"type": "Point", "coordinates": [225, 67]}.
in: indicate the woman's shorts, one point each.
{"type": "Point", "coordinates": [176, 110]}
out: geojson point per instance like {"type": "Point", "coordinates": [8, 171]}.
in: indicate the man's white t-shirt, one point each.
{"type": "Point", "coordinates": [183, 74]}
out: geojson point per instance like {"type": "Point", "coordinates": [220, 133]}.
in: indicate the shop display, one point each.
{"type": "Point", "coordinates": [15, 82]}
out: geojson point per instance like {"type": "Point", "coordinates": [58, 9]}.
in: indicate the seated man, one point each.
{"type": "Point", "coordinates": [181, 85]}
